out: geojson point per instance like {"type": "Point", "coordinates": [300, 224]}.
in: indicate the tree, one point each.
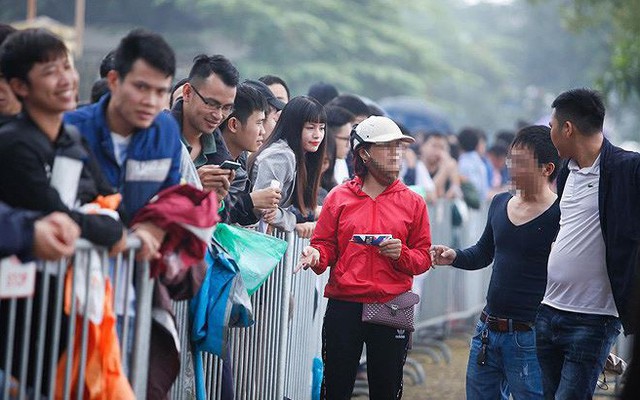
{"type": "Point", "coordinates": [621, 16]}
{"type": "Point", "coordinates": [360, 46]}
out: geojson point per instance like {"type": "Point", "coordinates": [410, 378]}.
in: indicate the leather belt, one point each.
{"type": "Point", "coordinates": [504, 324]}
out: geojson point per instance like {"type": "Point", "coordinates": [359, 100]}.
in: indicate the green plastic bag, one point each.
{"type": "Point", "coordinates": [255, 253]}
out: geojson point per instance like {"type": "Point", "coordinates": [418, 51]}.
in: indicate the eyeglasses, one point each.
{"type": "Point", "coordinates": [213, 104]}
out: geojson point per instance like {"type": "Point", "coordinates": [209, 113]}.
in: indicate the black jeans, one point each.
{"type": "Point", "coordinates": [343, 335]}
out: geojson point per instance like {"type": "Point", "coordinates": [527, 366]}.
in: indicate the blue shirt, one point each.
{"type": "Point", "coordinates": [519, 255]}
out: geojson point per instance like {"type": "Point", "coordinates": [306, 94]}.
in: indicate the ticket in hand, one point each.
{"type": "Point", "coordinates": [370, 239]}
{"type": "Point", "coordinates": [275, 184]}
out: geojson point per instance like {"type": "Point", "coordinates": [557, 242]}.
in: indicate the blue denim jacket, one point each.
{"type": "Point", "coordinates": [619, 205]}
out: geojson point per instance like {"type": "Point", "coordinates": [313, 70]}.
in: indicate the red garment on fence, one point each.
{"type": "Point", "coordinates": [186, 214]}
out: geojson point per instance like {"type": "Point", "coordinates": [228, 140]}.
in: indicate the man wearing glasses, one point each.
{"type": "Point", "coordinates": [207, 100]}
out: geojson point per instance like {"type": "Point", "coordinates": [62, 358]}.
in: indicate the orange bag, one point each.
{"type": "Point", "coordinates": [104, 378]}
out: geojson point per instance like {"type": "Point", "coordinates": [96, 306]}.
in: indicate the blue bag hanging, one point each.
{"type": "Point", "coordinates": [221, 302]}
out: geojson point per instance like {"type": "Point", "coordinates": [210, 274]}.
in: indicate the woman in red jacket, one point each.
{"type": "Point", "coordinates": [373, 203]}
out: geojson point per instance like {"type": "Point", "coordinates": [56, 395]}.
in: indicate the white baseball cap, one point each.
{"type": "Point", "coordinates": [377, 129]}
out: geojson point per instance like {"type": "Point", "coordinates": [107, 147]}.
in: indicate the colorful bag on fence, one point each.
{"type": "Point", "coordinates": [255, 253]}
{"type": "Point", "coordinates": [104, 378]}
{"type": "Point", "coordinates": [222, 302]}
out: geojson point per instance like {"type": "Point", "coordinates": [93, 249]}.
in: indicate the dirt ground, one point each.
{"type": "Point", "coordinates": [445, 381]}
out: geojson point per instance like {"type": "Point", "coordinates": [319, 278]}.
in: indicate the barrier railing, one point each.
{"type": "Point", "coordinates": [36, 331]}
{"type": "Point", "coordinates": [452, 294]}
{"type": "Point", "coordinates": [271, 360]}
{"type": "Point", "coordinates": [257, 354]}
{"type": "Point", "coordinates": [305, 331]}
{"type": "Point", "coordinates": [274, 358]}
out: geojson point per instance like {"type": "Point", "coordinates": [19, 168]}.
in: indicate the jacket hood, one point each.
{"type": "Point", "coordinates": [355, 185]}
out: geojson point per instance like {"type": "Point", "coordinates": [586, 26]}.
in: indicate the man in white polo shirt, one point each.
{"type": "Point", "coordinates": [591, 265]}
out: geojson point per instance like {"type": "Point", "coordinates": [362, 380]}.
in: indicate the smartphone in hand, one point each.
{"type": "Point", "coordinates": [232, 165]}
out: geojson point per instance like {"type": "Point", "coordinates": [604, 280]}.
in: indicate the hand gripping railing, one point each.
{"type": "Point", "coordinates": [35, 331]}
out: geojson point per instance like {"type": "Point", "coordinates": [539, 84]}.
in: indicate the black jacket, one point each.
{"type": "Point", "coordinates": [619, 206]}
{"type": "Point", "coordinates": [6, 118]}
{"type": "Point", "coordinates": [26, 162]}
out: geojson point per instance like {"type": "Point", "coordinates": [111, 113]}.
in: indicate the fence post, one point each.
{"type": "Point", "coordinates": [144, 297]}
{"type": "Point", "coordinates": [284, 316]}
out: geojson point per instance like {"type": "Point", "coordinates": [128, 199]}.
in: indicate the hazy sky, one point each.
{"type": "Point", "coordinates": [471, 2]}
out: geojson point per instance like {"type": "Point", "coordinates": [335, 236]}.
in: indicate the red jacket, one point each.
{"type": "Point", "coordinates": [359, 272]}
{"type": "Point", "coordinates": [188, 215]}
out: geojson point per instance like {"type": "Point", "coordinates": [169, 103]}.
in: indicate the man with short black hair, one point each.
{"type": "Point", "coordinates": [516, 242]}
{"type": "Point", "coordinates": [354, 105]}
{"type": "Point", "coordinates": [138, 148]}
{"type": "Point", "coordinates": [243, 132]}
{"type": "Point", "coordinates": [207, 100]}
{"type": "Point", "coordinates": [277, 86]}
{"type": "Point", "coordinates": [44, 166]}
{"type": "Point", "coordinates": [591, 269]}
{"type": "Point", "coordinates": [108, 63]}
{"type": "Point", "coordinates": [37, 66]}
{"type": "Point", "coordinates": [136, 145]}
{"type": "Point", "coordinates": [323, 92]}
{"type": "Point", "coordinates": [275, 106]}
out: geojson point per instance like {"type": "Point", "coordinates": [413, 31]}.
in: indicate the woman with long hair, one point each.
{"type": "Point", "coordinates": [293, 157]}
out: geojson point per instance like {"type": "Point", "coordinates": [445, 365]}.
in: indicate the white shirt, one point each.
{"type": "Point", "coordinates": [188, 170]}
{"type": "Point", "coordinates": [341, 170]}
{"type": "Point", "coordinates": [120, 147]}
{"type": "Point", "coordinates": [120, 150]}
{"type": "Point", "coordinates": [577, 277]}
{"type": "Point", "coordinates": [423, 178]}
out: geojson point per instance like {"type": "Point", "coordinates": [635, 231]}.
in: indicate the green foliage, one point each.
{"type": "Point", "coordinates": [623, 72]}
{"type": "Point", "coordinates": [486, 65]}
{"type": "Point", "coordinates": [361, 46]}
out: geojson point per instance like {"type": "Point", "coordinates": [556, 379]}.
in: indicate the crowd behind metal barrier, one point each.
{"type": "Point", "coordinates": [39, 332]}
{"type": "Point", "coordinates": [273, 359]}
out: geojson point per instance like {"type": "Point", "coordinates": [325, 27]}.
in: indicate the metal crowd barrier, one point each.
{"type": "Point", "coordinates": [451, 294]}
{"type": "Point", "coordinates": [274, 358]}
{"type": "Point", "coordinates": [305, 330]}
{"type": "Point", "coordinates": [35, 331]}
